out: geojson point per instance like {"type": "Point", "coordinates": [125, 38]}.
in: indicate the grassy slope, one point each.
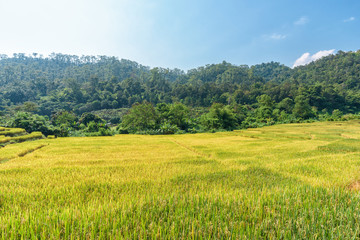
{"type": "Point", "coordinates": [280, 181]}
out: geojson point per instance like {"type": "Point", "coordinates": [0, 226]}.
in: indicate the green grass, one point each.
{"type": "Point", "coordinates": [279, 182]}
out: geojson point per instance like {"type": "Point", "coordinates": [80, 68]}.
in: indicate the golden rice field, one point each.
{"type": "Point", "coordinates": [287, 181]}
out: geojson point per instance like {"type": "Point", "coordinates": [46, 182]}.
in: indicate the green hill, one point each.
{"type": "Point", "coordinates": [266, 93]}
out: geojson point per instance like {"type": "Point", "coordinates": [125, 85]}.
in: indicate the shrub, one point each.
{"type": "Point", "coordinates": [141, 117]}
{"type": "Point", "coordinates": [31, 123]}
{"type": "Point", "coordinates": [168, 128]}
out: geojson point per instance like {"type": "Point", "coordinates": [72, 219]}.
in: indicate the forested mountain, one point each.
{"type": "Point", "coordinates": [85, 84]}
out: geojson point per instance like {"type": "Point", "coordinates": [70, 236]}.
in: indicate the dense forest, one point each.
{"type": "Point", "coordinates": [71, 95]}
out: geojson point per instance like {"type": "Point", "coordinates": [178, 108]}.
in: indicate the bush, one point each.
{"type": "Point", "coordinates": [122, 130]}
{"type": "Point", "coordinates": [168, 128]}
{"type": "Point", "coordinates": [115, 120]}
{"type": "Point", "coordinates": [62, 131]}
{"type": "Point", "coordinates": [92, 127]}
{"type": "Point", "coordinates": [219, 117]}
{"type": "Point", "coordinates": [64, 118]}
{"type": "Point", "coordinates": [86, 118]}
{"type": "Point", "coordinates": [31, 123]}
{"type": "Point", "coordinates": [141, 117]}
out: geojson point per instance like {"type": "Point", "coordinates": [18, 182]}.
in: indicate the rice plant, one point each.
{"type": "Point", "coordinates": [294, 181]}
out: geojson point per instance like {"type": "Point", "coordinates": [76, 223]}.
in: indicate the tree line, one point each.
{"type": "Point", "coordinates": [215, 96]}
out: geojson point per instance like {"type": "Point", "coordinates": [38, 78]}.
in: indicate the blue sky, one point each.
{"type": "Point", "coordinates": [182, 33]}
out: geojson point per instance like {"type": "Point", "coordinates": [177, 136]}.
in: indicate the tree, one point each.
{"type": "Point", "coordinates": [28, 107]}
{"type": "Point", "coordinates": [287, 105]}
{"type": "Point", "coordinates": [178, 115]}
{"type": "Point", "coordinates": [75, 90]}
{"type": "Point", "coordinates": [86, 118]}
{"type": "Point", "coordinates": [31, 123]}
{"type": "Point", "coordinates": [265, 109]}
{"type": "Point", "coordinates": [302, 108]}
{"type": "Point", "coordinates": [65, 118]}
{"type": "Point", "coordinates": [219, 117]}
{"type": "Point", "coordinates": [141, 116]}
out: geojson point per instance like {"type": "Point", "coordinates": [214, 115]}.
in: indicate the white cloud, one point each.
{"type": "Point", "coordinates": [306, 58]}
{"type": "Point", "coordinates": [350, 19]}
{"type": "Point", "coordinates": [275, 36]}
{"type": "Point", "coordinates": [302, 21]}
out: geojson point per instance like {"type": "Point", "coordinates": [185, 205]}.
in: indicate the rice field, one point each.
{"type": "Point", "coordinates": [294, 181]}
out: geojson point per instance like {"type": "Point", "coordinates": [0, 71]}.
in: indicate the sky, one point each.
{"type": "Point", "coordinates": [182, 34]}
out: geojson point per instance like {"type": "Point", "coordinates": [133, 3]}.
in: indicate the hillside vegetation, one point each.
{"type": "Point", "coordinates": [63, 89]}
{"type": "Point", "coordinates": [285, 181]}
{"type": "Point", "coordinates": [88, 83]}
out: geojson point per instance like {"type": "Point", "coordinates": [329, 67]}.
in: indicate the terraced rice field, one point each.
{"type": "Point", "coordinates": [286, 181]}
